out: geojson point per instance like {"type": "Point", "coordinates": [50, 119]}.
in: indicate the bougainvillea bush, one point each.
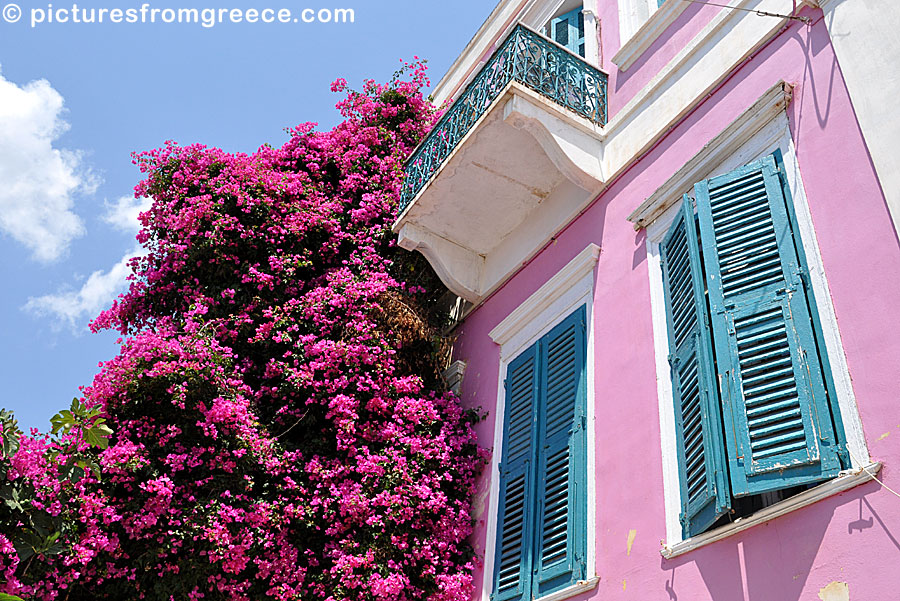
{"type": "Point", "coordinates": [279, 429]}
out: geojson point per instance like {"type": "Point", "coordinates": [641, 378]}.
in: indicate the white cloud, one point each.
{"type": "Point", "coordinates": [74, 308]}
{"type": "Point", "coordinates": [123, 215]}
{"type": "Point", "coordinates": [38, 180]}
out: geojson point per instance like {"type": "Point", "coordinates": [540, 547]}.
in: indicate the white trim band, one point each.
{"type": "Point", "coordinates": [845, 481]}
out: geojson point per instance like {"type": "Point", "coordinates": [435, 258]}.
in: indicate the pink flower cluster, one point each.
{"type": "Point", "coordinates": [267, 442]}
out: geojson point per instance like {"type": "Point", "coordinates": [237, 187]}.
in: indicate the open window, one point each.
{"type": "Point", "coordinates": [755, 419]}
{"type": "Point", "coordinates": [567, 29]}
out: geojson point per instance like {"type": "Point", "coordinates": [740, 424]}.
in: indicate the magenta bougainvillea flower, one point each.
{"type": "Point", "coordinates": [270, 440]}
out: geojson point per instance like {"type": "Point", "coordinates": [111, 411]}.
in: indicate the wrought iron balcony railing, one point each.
{"type": "Point", "coordinates": [528, 58]}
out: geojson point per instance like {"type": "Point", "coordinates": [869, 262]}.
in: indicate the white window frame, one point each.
{"type": "Point", "coordinates": [641, 22]}
{"type": "Point", "coordinates": [571, 288]}
{"type": "Point", "coordinates": [633, 14]}
{"type": "Point", "coordinates": [744, 141]}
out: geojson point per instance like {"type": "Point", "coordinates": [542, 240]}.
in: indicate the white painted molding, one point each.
{"type": "Point", "coordinates": [738, 132]}
{"type": "Point", "coordinates": [582, 586]}
{"type": "Point", "coordinates": [644, 37]}
{"type": "Point", "coordinates": [591, 37]}
{"type": "Point", "coordinates": [576, 153]}
{"type": "Point", "coordinates": [461, 269]}
{"type": "Point", "coordinates": [546, 295]}
{"type": "Point", "coordinates": [538, 14]}
{"type": "Point", "coordinates": [845, 481]}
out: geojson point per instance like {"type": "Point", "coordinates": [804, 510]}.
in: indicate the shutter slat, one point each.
{"type": "Point", "coordinates": [700, 448]}
{"type": "Point", "coordinates": [764, 339]}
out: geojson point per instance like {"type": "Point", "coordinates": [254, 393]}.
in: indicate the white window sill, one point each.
{"type": "Point", "coordinates": [579, 587]}
{"type": "Point", "coordinates": [846, 480]}
{"type": "Point", "coordinates": [644, 37]}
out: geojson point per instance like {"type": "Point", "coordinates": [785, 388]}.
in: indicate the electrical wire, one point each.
{"type": "Point", "coordinates": [761, 13]}
{"type": "Point", "coordinates": [870, 474]}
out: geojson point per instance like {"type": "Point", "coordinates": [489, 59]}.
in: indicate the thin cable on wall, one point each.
{"type": "Point", "coordinates": [863, 467]}
{"type": "Point", "coordinates": [761, 13]}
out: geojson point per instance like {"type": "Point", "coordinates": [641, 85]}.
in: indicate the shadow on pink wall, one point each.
{"type": "Point", "coordinates": [749, 567]}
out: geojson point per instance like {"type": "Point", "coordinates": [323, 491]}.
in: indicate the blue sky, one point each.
{"type": "Point", "coordinates": [76, 99]}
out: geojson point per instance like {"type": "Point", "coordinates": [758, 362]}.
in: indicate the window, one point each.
{"type": "Point", "coordinates": [540, 532]}
{"type": "Point", "coordinates": [541, 524]}
{"type": "Point", "coordinates": [568, 30]}
{"type": "Point", "coordinates": [751, 381]}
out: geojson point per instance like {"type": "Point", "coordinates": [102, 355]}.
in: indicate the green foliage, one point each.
{"type": "Point", "coordinates": [9, 436]}
{"type": "Point", "coordinates": [86, 419]}
{"type": "Point", "coordinates": [78, 432]}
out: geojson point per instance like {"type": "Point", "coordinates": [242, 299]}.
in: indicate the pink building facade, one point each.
{"type": "Point", "coordinates": [673, 237]}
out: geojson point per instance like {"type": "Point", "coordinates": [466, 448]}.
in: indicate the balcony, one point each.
{"type": "Point", "coordinates": [508, 164]}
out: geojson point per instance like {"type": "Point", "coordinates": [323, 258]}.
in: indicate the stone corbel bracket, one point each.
{"type": "Point", "coordinates": [573, 144]}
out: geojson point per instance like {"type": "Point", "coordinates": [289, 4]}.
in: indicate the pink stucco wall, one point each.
{"type": "Point", "coordinates": [853, 537]}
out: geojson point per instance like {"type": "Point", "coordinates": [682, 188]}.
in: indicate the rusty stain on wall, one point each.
{"type": "Point", "coordinates": [835, 591]}
{"type": "Point", "coordinates": [631, 534]}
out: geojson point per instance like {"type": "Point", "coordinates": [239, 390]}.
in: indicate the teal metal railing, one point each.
{"type": "Point", "coordinates": [528, 58]}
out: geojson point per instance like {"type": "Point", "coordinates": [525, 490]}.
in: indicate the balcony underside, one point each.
{"type": "Point", "coordinates": [522, 173]}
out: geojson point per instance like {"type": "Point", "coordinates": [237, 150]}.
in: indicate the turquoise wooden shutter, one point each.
{"type": "Point", "coordinates": [568, 30]}
{"type": "Point", "coordinates": [776, 413]}
{"type": "Point", "coordinates": [515, 535]}
{"type": "Point", "coordinates": [698, 421]}
{"type": "Point", "coordinates": [561, 525]}
{"type": "Point", "coordinates": [660, 3]}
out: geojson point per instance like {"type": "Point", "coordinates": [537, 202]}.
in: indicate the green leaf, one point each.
{"type": "Point", "coordinates": [94, 467]}
{"type": "Point", "coordinates": [97, 436]}
{"type": "Point", "coordinates": [5, 597]}
{"type": "Point", "coordinates": [11, 497]}
{"type": "Point", "coordinates": [9, 437]}
{"type": "Point", "coordinates": [62, 421]}
{"type": "Point", "coordinates": [43, 523]}
{"type": "Point", "coordinates": [26, 544]}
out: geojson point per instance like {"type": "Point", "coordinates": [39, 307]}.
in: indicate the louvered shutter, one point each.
{"type": "Point", "coordinates": [776, 414]}
{"type": "Point", "coordinates": [568, 30]}
{"type": "Point", "coordinates": [698, 422]}
{"type": "Point", "coordinates": [515, 518]}
{"type": "Point", "coordinates": [561, 524]}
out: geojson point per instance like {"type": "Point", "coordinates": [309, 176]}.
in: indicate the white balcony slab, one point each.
{"type": "Point", "coordinates": [525, 170]}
